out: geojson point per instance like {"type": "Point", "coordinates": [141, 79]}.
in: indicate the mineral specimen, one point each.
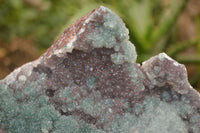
{"type": "Point", "coordinates": [88, 81]}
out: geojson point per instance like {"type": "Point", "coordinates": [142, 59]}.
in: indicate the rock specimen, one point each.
{"type": "Point", "coordinates": [88, 81]}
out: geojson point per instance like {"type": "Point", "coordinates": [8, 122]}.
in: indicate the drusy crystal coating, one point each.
{"type": "Point", "coordinates": [88, 81]}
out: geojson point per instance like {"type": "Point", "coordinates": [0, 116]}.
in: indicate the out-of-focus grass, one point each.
{"type": "Point", "coordinates": [152, 24]}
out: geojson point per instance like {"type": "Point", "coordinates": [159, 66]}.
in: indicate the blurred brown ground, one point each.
{"type": "Point", "coordinates": [187, 31]}
{"type": "Point", "coordinates": [18, 52]}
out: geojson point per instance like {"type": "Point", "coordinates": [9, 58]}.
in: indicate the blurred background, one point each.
{"type": "Point", "coordinates": [29, 27]}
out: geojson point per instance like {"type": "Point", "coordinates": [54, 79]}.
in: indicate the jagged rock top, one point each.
{"type": "Point", "coordinates": [99, 29]}
{"type": "Point", "coordinates": [88, 81]}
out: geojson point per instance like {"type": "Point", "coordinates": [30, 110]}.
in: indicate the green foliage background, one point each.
{"type": "Point", "coordinates": [152, 25]}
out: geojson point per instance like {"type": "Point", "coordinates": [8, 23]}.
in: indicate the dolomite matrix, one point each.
{"type": "Point", "coordinates": [88, 81]}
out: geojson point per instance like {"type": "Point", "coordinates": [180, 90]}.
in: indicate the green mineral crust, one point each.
{"type": "Point", "coordinates": [88, 81]}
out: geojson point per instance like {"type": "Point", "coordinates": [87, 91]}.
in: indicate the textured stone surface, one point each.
{"type": "Point", "coordinates": [88, 81]}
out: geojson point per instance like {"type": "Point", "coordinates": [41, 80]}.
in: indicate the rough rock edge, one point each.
{"type": "Point", "coordinates": [73, 38]}
{"type": "Point", "coordinates": [162, 70]}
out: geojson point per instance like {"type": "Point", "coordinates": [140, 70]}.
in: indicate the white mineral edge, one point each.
{"type": "Point", "coordinates": [104, 8]}
{"type": "Point", "coordinates": [161, 56]}
{"type": "Point", "coordinates": [88, 19]}
{"type": "Point", "coordinates": [110, 110]}
{"type": "Point", "coordinates": [28, 67]}
{"type": "Point", "coordinates": [67, 48]}
{"type": "Point", "coordinates": [81, 31]}
{"type": "Point", "coordinates": [175, 63]}
{"type": "Point", "coordinates": [164, 55]}
{"type": "Point", "coordinates": [22, 78]}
